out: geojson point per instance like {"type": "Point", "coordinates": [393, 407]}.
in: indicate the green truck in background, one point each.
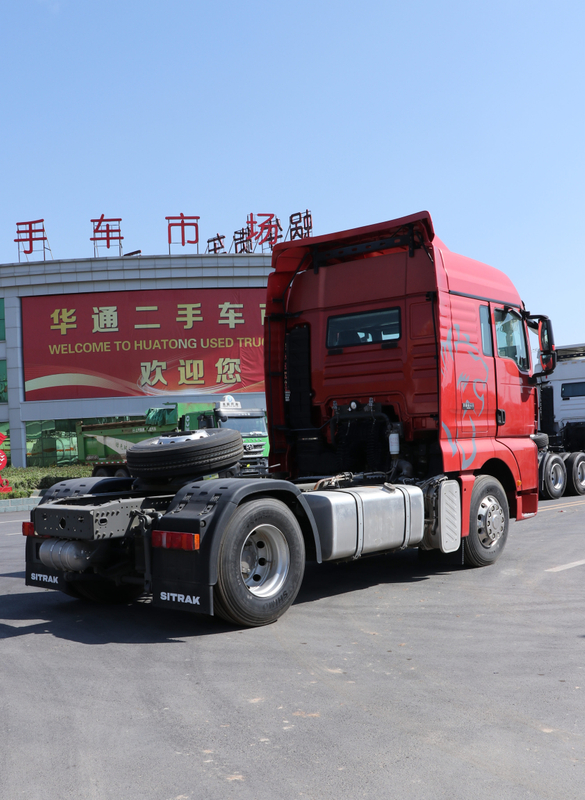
{"type": "Point", "coordinates": [104, 445]}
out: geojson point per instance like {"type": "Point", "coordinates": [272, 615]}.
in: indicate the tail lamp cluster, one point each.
{"type": "Point", "coordinates": [169, 540]}
{"type": "Point", "coordinates": [173, 540]}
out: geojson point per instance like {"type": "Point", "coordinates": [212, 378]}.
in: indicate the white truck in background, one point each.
{"type": "Point", "coordinates": [562, 418]}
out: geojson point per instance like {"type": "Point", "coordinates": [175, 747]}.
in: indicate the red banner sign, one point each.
{"type": "Point", "coordinates": [195, 341]}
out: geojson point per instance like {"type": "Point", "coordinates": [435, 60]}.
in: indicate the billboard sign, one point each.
{"type": "Point", "coordinates": [121, 344]}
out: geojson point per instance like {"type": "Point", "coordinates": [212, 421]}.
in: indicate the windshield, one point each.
{"type": "Point", "coordinates": [247, 426]}
{"type": "Point", "coordinates": [161, 416]}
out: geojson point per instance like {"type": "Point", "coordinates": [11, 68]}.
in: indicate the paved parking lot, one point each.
{"type": "Point", "coordinates": [387, 678]}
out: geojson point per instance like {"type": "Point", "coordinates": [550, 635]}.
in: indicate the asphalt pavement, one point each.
{"type": "Point", "coordinates": [388, 678]}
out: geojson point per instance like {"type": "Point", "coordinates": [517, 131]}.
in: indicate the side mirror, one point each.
{"type": "Point", "coordinates": [546, 345]}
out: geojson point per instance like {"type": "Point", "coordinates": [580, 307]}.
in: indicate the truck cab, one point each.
{"type": "Point", "coordinates": [251, 424]}
{"type": "Point", "coordinates": [388, 352]}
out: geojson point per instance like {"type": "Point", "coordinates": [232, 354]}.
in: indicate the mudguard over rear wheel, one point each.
{"type": "Point", "coordinates": [261, 563]}
{"type": "Point", "coordinates": [489, 519]}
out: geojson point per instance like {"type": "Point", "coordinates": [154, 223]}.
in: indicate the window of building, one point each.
{"type": "Point", "coordinates": [368, 327]}
{"type": "Point", "coordinates": [3, 383]}
{"type": "Point", "coordinates": [2, 322]}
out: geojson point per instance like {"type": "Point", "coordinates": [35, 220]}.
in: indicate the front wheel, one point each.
{"type": "Point", "coordinates": [489, 519]}
{"type": "Point", "coordinates": [261, 563]}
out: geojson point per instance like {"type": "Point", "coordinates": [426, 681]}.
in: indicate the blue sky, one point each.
{"type": "Point", "coordinates": [360, 112]}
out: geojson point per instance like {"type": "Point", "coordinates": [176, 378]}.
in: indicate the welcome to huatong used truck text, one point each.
{"type": "Point", "coordinates": [402, 412]}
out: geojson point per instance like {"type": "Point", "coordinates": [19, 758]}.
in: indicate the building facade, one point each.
{"type": "Point", "coordinates": [107, 338]}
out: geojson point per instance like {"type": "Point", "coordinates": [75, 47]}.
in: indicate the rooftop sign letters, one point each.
{"type": "Point", "coordinates": [261, 230]}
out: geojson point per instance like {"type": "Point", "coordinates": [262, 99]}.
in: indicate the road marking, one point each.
{"type": "Point", "coordinates": [566, 566]}
{"type": "Point", "coordinates": [23, 623]}
{"type": "Point", "coordinates": [556, 508]}
{"type": "Point", "coordinates": [14, 534]}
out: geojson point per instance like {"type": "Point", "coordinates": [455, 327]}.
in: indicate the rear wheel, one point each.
{"type": "Point", "coordinates": [101, 472]}
{"type": "Point", "coordinates": [261, 563]}
{"type": "Point", "coordinates": [489, 519]}
{"type": "Point", "coordinates": [554, 478]}
{"type": "Point", "coordinates": [575, 465]}
{"type": "Point", "coordinates": [67, 588]}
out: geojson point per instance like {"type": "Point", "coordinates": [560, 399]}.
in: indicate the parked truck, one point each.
{"type": "Point", "coordinates": [562, 423]}
{"type": "Point", "coordinates": [104, 445]}
{"type": "Point", "coordinates": [402, 413]}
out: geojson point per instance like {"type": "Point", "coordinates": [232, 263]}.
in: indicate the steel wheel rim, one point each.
{"type": "Point", "coordinates": [556, 476]}
{"type": "Point", "coordinates": [491, 521]}
{"type": "Point", "coordinates": [264, 561]}
{"type": "Point", "coordinates": [581, 473]}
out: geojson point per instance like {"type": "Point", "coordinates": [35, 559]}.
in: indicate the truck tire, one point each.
{"type": "Point", "coordinates": [101, 472]}
{"type": "Point", "coordinates": [489, 519]}
{"type": "Point", "coordinates": [261, 563]}
{"type": "Point", "coordinates": [554, 477]}
{"type": "Point", "coordinates": [105, 592]}
{"type": "Point", "coordinates": [575, 466]}
{"type": "Point", "coordinates": [70, 590]}
{"type": "Point", "coordinates": [220, 449]}
{"type": "Point", "coordinates": [540, 439]}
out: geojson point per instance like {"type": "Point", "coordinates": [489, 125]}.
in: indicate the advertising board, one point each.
{"type": "Point", "coordinates": [109, 344]}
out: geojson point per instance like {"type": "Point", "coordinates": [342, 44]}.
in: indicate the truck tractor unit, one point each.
{"type": "Point", "coordinates": [104, 445]}
{"type": "Point", "coordinates": [251, 423]}
{"type": "Point", "coordinates": [402, 413]}
{"type": "Point", "coordinates": [562, 423]}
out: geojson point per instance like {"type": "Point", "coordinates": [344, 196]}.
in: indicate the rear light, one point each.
{"type": "Point", "coordinates": [173, 540]}
{"type": "Point", "coordinates": [28, 529]}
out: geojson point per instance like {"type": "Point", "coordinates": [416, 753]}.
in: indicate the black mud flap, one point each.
{"type": "Point", "coordinates": [37, 574]}
{"type": "Point", "coordinates": [173, 586]}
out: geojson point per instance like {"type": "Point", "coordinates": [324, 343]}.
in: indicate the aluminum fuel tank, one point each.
{"type": "Point", "coordinates": [367, 519]}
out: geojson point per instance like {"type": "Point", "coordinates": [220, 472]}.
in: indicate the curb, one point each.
{"type": "Point", "coordinates": [19, 504]}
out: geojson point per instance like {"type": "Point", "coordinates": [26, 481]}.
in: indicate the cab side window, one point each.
{"type": "Point", "coordinates": [486, 331]}
{"type": "Point", "coordinates": [511, 338]}
{"type": "Point", "coordinates": [366, 327]}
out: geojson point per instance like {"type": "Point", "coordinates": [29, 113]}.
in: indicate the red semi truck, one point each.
{"type": "Point", "coordinates": [402, 412]}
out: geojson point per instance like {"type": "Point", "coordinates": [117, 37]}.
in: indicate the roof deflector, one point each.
{"type": "Point", "coordinates": [411, 232]}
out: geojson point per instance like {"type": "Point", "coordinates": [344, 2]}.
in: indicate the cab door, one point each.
{"type": "Point", "coordinates": [515, 397]}
{"type": "Point", "coordinates": [475, 391]}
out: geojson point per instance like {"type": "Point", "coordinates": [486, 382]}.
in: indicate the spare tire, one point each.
{"type": "Point", "coordinates": [197, 453]}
